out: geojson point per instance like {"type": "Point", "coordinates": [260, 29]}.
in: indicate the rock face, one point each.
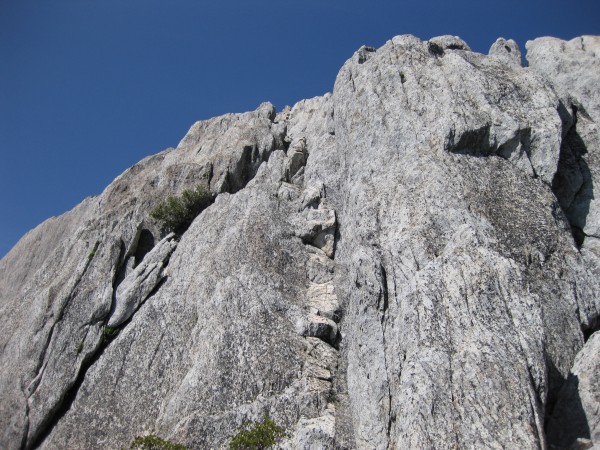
{"type": "Point", "coordinates": [573, 69]}
{"type": "Point", "coordinates": [575, 416]}
{"type": "Point", "coordinates": [506, 50]}
{"type": "Point", "coordinates": [409, 262]}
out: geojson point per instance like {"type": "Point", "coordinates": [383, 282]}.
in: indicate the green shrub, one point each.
{"type": "Point", "coordinates": [177, 213]}
{"type": "Point", "coordinates": [92, 252]}
{"type": "Point", "coordinates": [153, 442]}
{"type": "Point", "coordinates": [109, 333]}
{"type": "Point", "coordinates": [257, 435]}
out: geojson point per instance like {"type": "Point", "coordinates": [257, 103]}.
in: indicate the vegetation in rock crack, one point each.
{"type": "Point", "coordinates": [153, 442]}
{"type": "Point", "coordinates": [80, 347]}
{"type": "Point", "coordinates": [257, 435]}
{"type": "Point", "coordinates": [109, 333]}
{"type": "Point", "coordinates": [177, 213]}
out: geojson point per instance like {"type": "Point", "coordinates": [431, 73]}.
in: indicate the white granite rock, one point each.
{"type": "Point", "coordinates": [506, 50]}
{"type": "Point", "coordinates": [573, 69]}
{"type": "Point", "coordinates": [387, 266]}
{"type": "Point", "coordinates": [463, 293]}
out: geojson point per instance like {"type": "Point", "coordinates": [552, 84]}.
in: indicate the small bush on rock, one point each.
{"type": "Point", "coordinates": [177, 213]}
{"type": "Point", "coordinates": [153, 442]}
{"type": "Point", "coordinates": [257, 435]}
{"type": "Point", "coordinates": [109, 333]}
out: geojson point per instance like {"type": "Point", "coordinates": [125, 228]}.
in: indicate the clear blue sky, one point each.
{"type": "Point", "coordinates": [89, 87]}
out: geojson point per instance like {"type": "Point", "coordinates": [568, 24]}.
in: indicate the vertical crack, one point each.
{"type": "Point", "coordinates": [572, 183]}
{"type": "Point", "coordinates": [64, 305]}
{"type": "Point", "coordinates": [55, 414]}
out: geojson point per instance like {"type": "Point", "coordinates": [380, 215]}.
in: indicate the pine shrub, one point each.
{"type": "Point", "coordinates": [257, 435]}
{"type": "Point", "coordinates": [177, 213]}
{"type": "Point", "coordinates": [153, 442]}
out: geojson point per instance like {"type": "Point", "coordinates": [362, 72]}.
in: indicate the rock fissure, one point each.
{"type": "Point", "coordinates": [42, 360]}
{"type": "Point", "coordinates": [390, 412]}
{"type": "Point", "coordinates": [88, 361]}
{"type": "Point", "coordinates": [67, 398]}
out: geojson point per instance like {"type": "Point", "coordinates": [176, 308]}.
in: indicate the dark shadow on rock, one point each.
{"type": "Point", "coordinates": [572, 183]}
{"type": "Point", "coordinates": [470, 142]}
{"type": "Point", "coordinates": [145, 243]}
{"type": "Point", "coordinates": [565, 418]}
{"type": "Point", "coordinates": [556, 382]}
{"type": "Point", "coordinates": [590, 329]}
{"type": "Point", "coordinates": [69, 396]}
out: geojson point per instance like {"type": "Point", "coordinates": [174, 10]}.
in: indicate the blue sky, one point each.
{"type": "Point", "coordinates": [89, 87]}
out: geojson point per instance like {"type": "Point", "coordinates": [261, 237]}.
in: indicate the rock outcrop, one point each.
{"type": "Point", "coordinates": [573, 69]}
{"type": "Point", "coordinates": [409, 262]}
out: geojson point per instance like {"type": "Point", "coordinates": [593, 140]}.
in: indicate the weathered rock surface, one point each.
{"type": "Point", "coordinates": [462, 306]}
{"type": "Point", "coordinates": [576, 415]}
{"type": "Point", "coordinates": [389, 266]}
{"type": "Point", "coordinates": [140, 283]}
{"type": "Point", "coordinates": [59, 282]}
{"type": "Point", "coordinates": [573, 69]}
{"type": "Point", "coordinates": [507, 50]}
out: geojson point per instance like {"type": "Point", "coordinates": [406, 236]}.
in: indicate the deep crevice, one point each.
{"type": "Point", "coordinates": [145, 244]}
{"type": "Point", "coordinates": [64, 405]}
{"type": "Point", "coordinates": [210, 175]}
{"type": "Point", "coordinates": [555, 381]}
{"type": "Point", "coordinates": [67, 399]}
{"type": "Point", "coordinates": [321, 331]}
{"type": "Point", "coordinates": [572, 183]}
{"type": "Point", "coordinates": [121, 268]}
{"type": "Point", "coordinates": [247, 167]}
{"type": "Point", "coordinates": [590, 329]}
{"type": "Point", "coordinates": [578, 235]}
{"type": "Point", "coordinates": [286, 144]}
{"type": "Point", "coordinates": [244, 170]}
{"type": "Point", "coordinates": [567, 422]}
{"type": "Point", "coordinates": [118, 275]}
{"type": "Point", "coordinates": [26, 429]}
{"type": "Point", "coordinates": [33, 385]}
{"type": "Point", "coordinates": [384, 294]}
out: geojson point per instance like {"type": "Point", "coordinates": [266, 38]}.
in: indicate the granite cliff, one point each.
{"type": "Point", "coordinates": [410, 262]}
